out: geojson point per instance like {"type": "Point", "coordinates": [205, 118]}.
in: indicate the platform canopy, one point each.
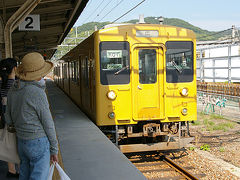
{"type": "Point", "coordinates": [56, 19]}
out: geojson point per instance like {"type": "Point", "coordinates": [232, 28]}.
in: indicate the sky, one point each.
{"type": "Point", "coordinates": [212, 15]}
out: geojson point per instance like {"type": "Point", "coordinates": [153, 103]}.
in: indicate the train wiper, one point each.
{"type": "Point", "coordinates": [126, 67]}
{"type": "Point", "coordinates": [179, 69]}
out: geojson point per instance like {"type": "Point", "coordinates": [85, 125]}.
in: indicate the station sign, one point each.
{"type": "Point", "coordinates": [30, 23]}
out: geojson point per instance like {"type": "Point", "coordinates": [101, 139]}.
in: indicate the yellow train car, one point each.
{"type": "Point", "coordinates": [137, 83]}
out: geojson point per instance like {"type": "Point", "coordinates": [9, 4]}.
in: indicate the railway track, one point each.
{"type": "Point", "coordinates": [183, 171]}
{"type": "Point", "coordinates": [214, 140]}
{"type": "Point", "coordinates": [157, 166]}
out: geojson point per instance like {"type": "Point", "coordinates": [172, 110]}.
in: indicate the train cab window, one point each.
{"type": "Point", "coordinates": [179, 61]}
{"type": "Point", "coordinates": [147, 66]}
{"type": "Point", "coordinates": [114, 58]}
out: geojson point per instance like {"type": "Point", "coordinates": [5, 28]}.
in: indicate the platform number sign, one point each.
{"type": "Point", "coordinates": [30, 23]}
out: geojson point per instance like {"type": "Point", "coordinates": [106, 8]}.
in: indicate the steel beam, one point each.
{"type": "Point", "coordinates": [19, 3]}
{"type": "Point", "coordinates": [53, 9]}
{"type": "Point", "coordinates": [54, 30]}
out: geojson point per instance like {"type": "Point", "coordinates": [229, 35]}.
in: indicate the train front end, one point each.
{"type": "Point", "coordinates": [146, 86]}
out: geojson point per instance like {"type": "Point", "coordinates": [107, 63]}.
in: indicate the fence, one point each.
{"type": "Point", "coordinates": [225, 89]}
{"type": "Point", "coordinates": [218, 63]}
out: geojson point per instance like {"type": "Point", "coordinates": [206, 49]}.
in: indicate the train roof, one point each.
{"type": "Point", "coordinates": [163, 29]}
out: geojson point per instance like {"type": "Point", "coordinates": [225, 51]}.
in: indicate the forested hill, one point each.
{"type": "Point", "coordinates": [88, 28]}
{"type": "Point", "coordinates": [200, 33]}
{"type": "Point", "coordinates": [181, 23]}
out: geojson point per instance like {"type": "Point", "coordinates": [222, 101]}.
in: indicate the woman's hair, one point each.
{"type": "Point", "coordinates": [6, 67]}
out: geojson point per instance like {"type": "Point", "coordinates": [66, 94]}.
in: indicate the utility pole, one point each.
{"type": "Point", "coordinates": [233, 34]}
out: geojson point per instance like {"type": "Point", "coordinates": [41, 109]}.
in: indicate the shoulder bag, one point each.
{"type": "Point", "coordinates": [8, 146]}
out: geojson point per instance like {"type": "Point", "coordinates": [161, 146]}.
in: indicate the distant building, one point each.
{"type": "Point", "coordinates": [218, 62]}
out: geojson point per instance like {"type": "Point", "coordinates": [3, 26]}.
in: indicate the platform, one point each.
{"type": "Point", "coordinates": [87, 154]}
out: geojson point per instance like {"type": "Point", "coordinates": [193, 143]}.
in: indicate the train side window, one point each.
{"type": "Point", "coordinates": [72, 70]}
{"type": "Point", "coordinates": [114, 62]}
{"type": "Point", "coordinates": [65, 70]}
{"type": "Point", "coordinates": [75, 71]}
{"type": "Point", "coordinates": [147, 66]}
{"type": "Point", "coordinates": [86, 72]}
{"type": "Point", "coordinates": [82, 71]}
{"type": "Point", "coordinates": [69, 70]}
{"type": "Point", "coordinates": [179, 61]}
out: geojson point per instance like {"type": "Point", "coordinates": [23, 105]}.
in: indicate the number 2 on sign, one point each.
{"type": "Point", "coordinates": [29, 25]}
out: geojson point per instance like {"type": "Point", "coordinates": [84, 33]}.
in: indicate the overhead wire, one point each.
{"type": "Point", "coordinates": [102, 9]}
{"type": "Point", "coordinates": [93, 12]}
{"type": "Point", "coordinates": [111, 10]}
{"type": "Point", "coordinates": [228, 38]}
{"type": "Point", "coordinates": [215, 33]}
{"type": "Point", "coordinates": [129, 11]}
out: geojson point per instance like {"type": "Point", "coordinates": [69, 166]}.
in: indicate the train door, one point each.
{"type": "Point", "coordinates": [147, 82]}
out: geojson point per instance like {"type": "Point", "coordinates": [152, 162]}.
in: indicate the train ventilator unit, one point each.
{"type": "Point", "coordinates": [137, 83]}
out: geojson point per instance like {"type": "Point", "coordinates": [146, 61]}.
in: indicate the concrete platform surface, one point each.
{"type": "Point", "coordinates": [86, 152]}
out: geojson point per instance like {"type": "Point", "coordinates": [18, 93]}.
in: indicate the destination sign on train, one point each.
{"type": "Point", "coordinates": [147, 33]}
{"type": "Point", "coordinates": [114, 54]}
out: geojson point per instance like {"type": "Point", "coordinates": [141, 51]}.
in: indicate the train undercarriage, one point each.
{"type": "Point", "coordinates": [149, 136]}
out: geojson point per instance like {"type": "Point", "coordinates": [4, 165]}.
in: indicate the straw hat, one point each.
{"type": "Point", "coordinates": [33, 67]}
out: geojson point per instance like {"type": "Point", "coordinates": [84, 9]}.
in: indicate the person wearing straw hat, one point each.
{"type": "Point", "coordinates": [28, 110]}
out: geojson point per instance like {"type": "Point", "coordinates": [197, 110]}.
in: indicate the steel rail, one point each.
{"type": "Point", "coordinates": [178, 168]}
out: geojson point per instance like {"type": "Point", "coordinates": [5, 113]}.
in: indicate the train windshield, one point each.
{"type": "Point", "coordinates": [179, 61]}
{"type": "Point", "coordinates": [114, 63]}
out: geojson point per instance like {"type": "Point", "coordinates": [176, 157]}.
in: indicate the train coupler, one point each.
{"type": "Point", "coordinates": [151, 130]}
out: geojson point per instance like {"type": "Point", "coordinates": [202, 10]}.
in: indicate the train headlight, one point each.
{"type": "Point", "coordinates": [111, 115]}
{"type": "Point", "coordinates": [184, 111]}
{"type": "Point", "coordinates": [184, 91]}
{"type": "Point", "coordinates": [111, 95]}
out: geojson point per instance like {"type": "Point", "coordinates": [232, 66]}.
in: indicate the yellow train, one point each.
{"type": "Point", "coordinates": [136, 82]}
